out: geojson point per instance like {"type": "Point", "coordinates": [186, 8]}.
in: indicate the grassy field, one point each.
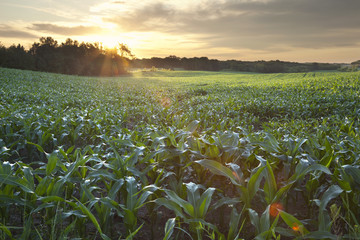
{"type": "Point", "coordinates": [180, 155]}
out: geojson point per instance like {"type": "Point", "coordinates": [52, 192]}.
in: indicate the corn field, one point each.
{"type": "Point", "coordinates": [180, 155]}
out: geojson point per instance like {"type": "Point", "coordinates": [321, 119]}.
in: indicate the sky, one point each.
{"type": "Point", "coordinates": [287, 30]}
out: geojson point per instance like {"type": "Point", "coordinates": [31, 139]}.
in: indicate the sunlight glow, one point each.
{"type": "Point", "coordinates": [109, 42]}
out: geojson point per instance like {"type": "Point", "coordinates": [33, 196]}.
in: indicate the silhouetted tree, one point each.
{"type": "Point", "coordinates": [72, 57]}
{"type": "Point", "coordinates": [16, 57]}
{"type": "Point", "coordinates": [125, 51]}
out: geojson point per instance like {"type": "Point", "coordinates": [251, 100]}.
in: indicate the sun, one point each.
{"type": "Point", "coordinates": [109, 42]}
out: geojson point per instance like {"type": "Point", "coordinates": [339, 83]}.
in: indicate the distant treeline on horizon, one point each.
{"type": "Point", "coordinates": [91, 59]}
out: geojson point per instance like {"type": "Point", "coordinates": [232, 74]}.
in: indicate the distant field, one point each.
{"type": "Point", "coordinates": [179, 154]}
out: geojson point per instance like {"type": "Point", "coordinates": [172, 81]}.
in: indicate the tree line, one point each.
{"type": "Point", "coordinates": [69, 57]}
{"type": "Point", "coordinates": [91, 59]}
{"type": "Point", "coordinates": [203, 63]}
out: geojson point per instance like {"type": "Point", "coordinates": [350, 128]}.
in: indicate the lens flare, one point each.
{"type": "Point", "coordinates": [275, 209]}
{"type": "Point", "coordinates": [236, 176]}
{"type": "Point", "coordinates": [165, 102]}
{"type": "Point", "coordinates": [296, 227]}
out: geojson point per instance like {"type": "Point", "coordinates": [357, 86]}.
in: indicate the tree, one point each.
{"type": "Point", "coordinates": [48, 41]}
{"type": "Point", "coordinates": [125, 51]}
{"type": "Point", "coordinates": [16, 57]}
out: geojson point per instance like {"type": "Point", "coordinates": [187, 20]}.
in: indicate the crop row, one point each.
{"type": "Point", "coordinates": [202, 156]}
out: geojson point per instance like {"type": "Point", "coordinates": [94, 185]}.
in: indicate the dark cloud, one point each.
{"type": "Point", "coordinates": [255, 24]}
{"type": "Point", "coordinates": [64, 30]}
{"type": "Point", "coordinates": [9, 32]}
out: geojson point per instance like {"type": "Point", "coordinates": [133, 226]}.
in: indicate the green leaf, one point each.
{"type": "Point", "coordinates": [324, 219]}
{"type": "Point", "coordinates": [188, 208]}
{"type": "Point", "coordinates": [51, 199]}
{"type": "Point", "coordinates": [332, 192]}
{"type": "Point", "coordinates": [270, 144]}
{"type": "Point", "coordinates": [36, 145]}
{"type": "Point", "coordinates": [286, 232]}
{"type": "Point", "coordinates": [327, 159]}
{"type": "Point", "coordinates": [5, 168]}
{"type": "Point", "coordinates": [143, 197]}
{"type": "Point", "coordinates": [265, 220]}
{"type": "Point", "coordinates": [234, 229]}
{"type": "Point", "coordinates": [193, 126]}
{"type": "Point", "coordinates": [236, 171]}
{"type": "Point", "coordinates": [111, 204]}
{"type": "Point", "coordinates": [15, 181]}
{"type": "Point", "coordinates": [133, 233]}
{"type": "Point", "coordinates": [76, 213]}
{"type": "Point", "coordinates": [225, 201]}
{"type": "Point", "coordinates": [6, 230]}
{"type": "Point", "coordinates": [293, 223]}
{"type": "Point", "coordinates": [254, 219]}
{"type": "Point", "coordinates": [301, 170]}
{"type": "Point", "coordinates": [204, 203]}
{"type": "Point", "coordinates": [270, 187]}
{"type": "Point", "coordinates": [27, 229]}
{"type": "Point", "coordinates": [52, 160]}
{"type": "Point", "coordinates": [5, 200]}
{"type": "Point", "coordinates": [130, 219]}
{"type": "Point", "coordinates": [193, 194]}
{"type": "Point", "coordinates": [321, 235]}
{"type": "Point", "coordinates": [170, 205]}
{"type": "Point", "coordinates": [91, 216]}
{"type": "Point", "coordinates": [56, 189]}
{"type": "Point", "coordinates": [169, 228]}
{"type": "Point", "coordinates": [219, 169]}
{"type": "Point", "coordinates": [67, 230]}
{"type": "Point", "coordinates": [100, 174]}
{"type": "Point", "coordinates": [254, 182]}
{"type": "Point", "coordinates": [298, 145]}
{"type": "Point", "coordinates": [131, 188]}
{"type": "Point", "coordinates": [267, 230]}
{"type": "Point", "coordinates": [115, 189]}
{"type": "Point", "coordinates": [29, 177]}
{"type": "Point", "coordinates": [354, 172]}
{"type": "Point", "coordinates": [281, 192]}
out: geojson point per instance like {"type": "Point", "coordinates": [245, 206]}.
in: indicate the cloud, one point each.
{"type": "Point", "coordinates": [52, 10]}
{"type": "Point", "coordinates": [153, 16]}
{"type": "Point", "coordinates": [9, 32]}
{"type": "Point", "coordinates": [267, 24]}
{"type": "Point", "coordinates": [65, 30]}
{"type": "Point", "coordinates": [222, 28]}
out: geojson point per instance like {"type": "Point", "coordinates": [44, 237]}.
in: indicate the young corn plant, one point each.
{"type": "Point", "coordinates": [16, 194]}
{"type": "Point", "coordinates": [325, 220]}
{"type": "Point", "coordinates": [264, 229]}
{"type": "Point", "coordinates": [247, 189]}
{"type": "Point", "coordinates": [235, 225]}
{"type": "Point", "coordinates": [135, 199]}
{"type": "Point", "coordinates": [348, 179]}
{"type": "Point", "coordinates": [106, 206]}
{"type": "Point", "coordinates": [191, 210]}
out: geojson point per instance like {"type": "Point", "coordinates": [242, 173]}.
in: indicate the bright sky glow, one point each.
{"type": "Point", "coordinates": [290, 30]}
